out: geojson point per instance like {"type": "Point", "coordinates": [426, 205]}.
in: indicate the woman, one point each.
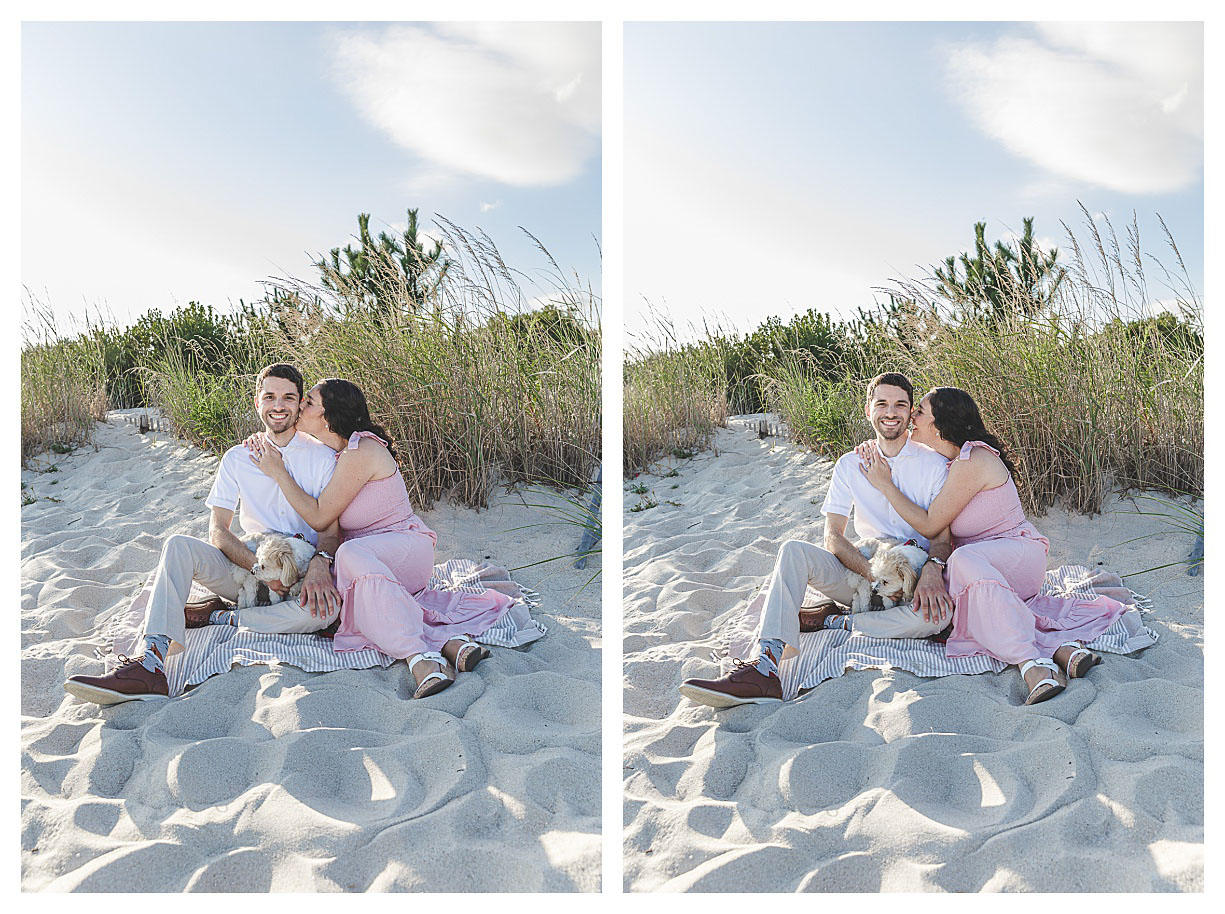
{"type": "Point", "coordinates": [387, 554]}
{"type": "Point", "coordinates": [999, 559]}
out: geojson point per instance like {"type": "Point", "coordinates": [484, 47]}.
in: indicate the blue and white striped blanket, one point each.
{"type": "Point", "coordinates": [215, 649]}
{"type": "Point", "coordinates": [827, 654]}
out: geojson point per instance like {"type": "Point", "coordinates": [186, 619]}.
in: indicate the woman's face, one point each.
{"type": "Point", "coordinates": [310, 419]}
{"type": "Point", "coordinates": [923, 428]}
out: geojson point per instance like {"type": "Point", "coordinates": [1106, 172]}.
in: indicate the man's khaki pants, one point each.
{"type": "Point", "coordinates": [185, 559]}
{"type": "Point", "coordinates": [801, 565]}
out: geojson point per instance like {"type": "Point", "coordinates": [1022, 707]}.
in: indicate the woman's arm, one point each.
{"type": "Point", "coordinates": [965, 480]}
{"type": "Point", "coordinates": [353, 470]}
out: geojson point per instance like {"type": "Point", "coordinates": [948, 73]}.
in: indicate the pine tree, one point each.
{"type": "Point", "coordinates": [1002, 279]}
{"type": "Point", "coordinates": [387, 273]}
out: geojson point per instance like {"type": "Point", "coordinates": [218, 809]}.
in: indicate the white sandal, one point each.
{"type": "Point", "coordinates": [434, 682]}
{"type": "Point", "coordinates": [1034, 696]}
{"type": "Point", "coordinates": [1072, 668]}
{"type": "Point", "coordinates": [469, 654]}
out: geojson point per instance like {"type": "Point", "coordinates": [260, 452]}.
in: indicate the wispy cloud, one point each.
{"type": "Point", "coordinates": [517, 103]}
{"type": "Point", "coordinates": [1115, 105]}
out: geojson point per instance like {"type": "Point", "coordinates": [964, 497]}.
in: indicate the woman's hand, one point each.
{"type": "Point", "coordinates": [876, 468]}
{"type": "Point", "coordinates": [265, 456]}
{"type": "Point", "coordinates": [867, 449]}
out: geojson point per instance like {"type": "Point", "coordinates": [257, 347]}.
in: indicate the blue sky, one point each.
{"type": "Point", "coordinates": [166, 162]}
{"type": "Point", "coordinates": [776, 167]}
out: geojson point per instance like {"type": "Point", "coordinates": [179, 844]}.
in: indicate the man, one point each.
{"type": "Point", "coordinates": [278, 398]}
{"type": "Point", "coordinates": [919, 472]}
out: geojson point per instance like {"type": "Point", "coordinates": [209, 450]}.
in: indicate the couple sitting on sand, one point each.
{"type": "Point", "coordinates": [948, 486]}
{"type": "Point", "coordinates": [324, 471]}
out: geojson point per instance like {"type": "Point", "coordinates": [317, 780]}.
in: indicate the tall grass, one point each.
{"type": "Point", "coordinates": [1087, 394]}
{"type": "Point", "coordinates": [63, 386]}
{"type": "Point", "coordinates": [675, 396]}
{"type": "Point", "coordinates": [475, 386]}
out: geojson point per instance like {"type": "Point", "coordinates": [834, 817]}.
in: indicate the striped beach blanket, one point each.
{"type": "Point", "coordinates": [215, 649]}
{"type": "Point", "coordinates": [826, 654]}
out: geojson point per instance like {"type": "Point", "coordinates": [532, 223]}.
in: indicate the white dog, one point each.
{"type": "Point", "coordinates": [277, 558]}
{"type": "Point", "coordinates": [895, 574]}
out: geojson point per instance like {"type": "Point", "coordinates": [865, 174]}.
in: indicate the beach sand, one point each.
{"type": "Point", "coordinates": [880, 779]}
{"type": "Point", "coordinates": [270, 778]}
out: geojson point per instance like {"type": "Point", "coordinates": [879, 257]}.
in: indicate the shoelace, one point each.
{"type": "Point", "coordinates": [740, 665]}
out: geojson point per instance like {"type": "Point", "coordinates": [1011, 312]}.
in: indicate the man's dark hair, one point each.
{"type": "Point", "coordinates": [279, 370]}
{"type": "Point", "coordinates": [894, 379]}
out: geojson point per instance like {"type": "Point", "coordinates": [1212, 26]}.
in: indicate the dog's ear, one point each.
{"type": "Point", "coordinates": [289, 569]}
{"type": "Point", "coordinates": [910, 578]}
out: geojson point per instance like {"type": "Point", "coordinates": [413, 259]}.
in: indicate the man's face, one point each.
{"type": "Point", "coordinates": [278, 404]}
{"type": "Point", "coordinates": [889, 411]}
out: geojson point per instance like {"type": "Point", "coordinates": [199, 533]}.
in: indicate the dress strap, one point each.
{"type": "Point", "coordinates": [970, 445]}
{"type": "Point", "coordinates": [356, 438]}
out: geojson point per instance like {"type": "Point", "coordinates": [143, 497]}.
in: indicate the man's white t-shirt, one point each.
{"type": "Point", "coordinates": [917, 470]}
{"type": "Point", "coordinates": [264, 506]}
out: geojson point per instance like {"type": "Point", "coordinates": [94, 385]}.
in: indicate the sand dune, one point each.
{"type": "Point", "coordinates": [273, 778]}
{"type": "Point", "coordinates": [882, 780]}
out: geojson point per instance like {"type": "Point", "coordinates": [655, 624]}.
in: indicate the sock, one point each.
{"type": "Point", "coordinates": [156, 647]}
{"type": "Point", "coordinates": [767, 661]}
{"type": "Point", "coordinates": [223, 617]}
{"type": "Point", "coordinates": [834, 620]}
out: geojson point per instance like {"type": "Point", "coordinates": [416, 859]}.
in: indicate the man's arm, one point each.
{"type": "Point", "coordinates": [843, 549]}
{"type": "Point", "coordinates": [319, 594]}
{"type": "Point", "coordinates": [221, 536]}
{"type": "Point", "coordinates": [930, 597]}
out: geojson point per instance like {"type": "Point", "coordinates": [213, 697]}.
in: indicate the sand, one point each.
{"type": "Point", "coordinates": [880, 779]}
{"type": "Point", "coordinates": [270, 778]}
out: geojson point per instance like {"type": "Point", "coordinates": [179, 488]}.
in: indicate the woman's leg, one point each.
{"type": "Point", "coordinates": [990, 582]}
{"type": "Point", "coordinates": [377, 576]}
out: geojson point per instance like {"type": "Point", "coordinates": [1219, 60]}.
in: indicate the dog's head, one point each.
{"type": "Point", "coordinates": [275, 560]}
{"type": "Point", "coordinates": [893, 575]}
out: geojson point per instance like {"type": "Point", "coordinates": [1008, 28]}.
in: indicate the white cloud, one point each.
{"type": "Point", "coordinates": [517, 103]}
{"type": "Point", "coordinates": [1116, 105]}
{"type": "Point", "coordinates": [487, 207]}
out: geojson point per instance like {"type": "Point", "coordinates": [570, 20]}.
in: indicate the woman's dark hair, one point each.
{"type": "Point", "coordinates": [345, 410]}
{"type": "Point", "coordinates": [957, 419]}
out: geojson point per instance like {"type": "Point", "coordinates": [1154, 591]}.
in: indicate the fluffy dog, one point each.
{"type": "Point", "coordinates": [895, 574]}
{"type": "Point", "coordinates": [277, 558]}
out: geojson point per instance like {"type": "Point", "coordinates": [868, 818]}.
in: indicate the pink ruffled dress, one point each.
{"type": "Point", "coordinates": [994, 575]}
{"type": "Point", "coordinates": [382, 568]}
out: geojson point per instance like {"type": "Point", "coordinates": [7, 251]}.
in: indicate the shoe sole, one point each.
{"type": "Point", "coordinates": [470, 660]}
{"type": "Point", "coordinates": [720, 700]}
{"type": "Point", "coordinates": [104, 696]}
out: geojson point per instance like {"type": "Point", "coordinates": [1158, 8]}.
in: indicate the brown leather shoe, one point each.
{"type": "Point", "coordinates": [742, 686]}
{"type": "Point", "coordinates": [197, 614]}
{"type": "Point", "coordinates": [813, 620]}
{"type": "Point", "coordinates": [130, 681]}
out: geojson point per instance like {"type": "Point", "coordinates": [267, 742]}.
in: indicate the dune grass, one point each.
{"type": "Point", "coordinates": [476, 387]}
{"type": "Point", "coordinates": [63, 386]}
{"type": "Point", "coordinates": [675, 396]}
{"type": "Point", "coordinates": [1087, 393]}
{"type": "Point", "coordinates": [477, 384]}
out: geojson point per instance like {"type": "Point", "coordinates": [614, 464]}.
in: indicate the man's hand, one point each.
{"type": "Point", "coordinates": [930, 598]}
{"type": "Point", "coordinates": [319, 594]}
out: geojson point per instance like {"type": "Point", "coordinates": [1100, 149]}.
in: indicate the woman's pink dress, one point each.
{"type": "Point", "coordinates": [994, 575]}
{"type": "Point", "coordinates": [382, 568]}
